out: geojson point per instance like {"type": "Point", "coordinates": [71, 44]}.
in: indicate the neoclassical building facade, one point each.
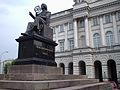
{"type": "Point", "coordinates": [88, 37]}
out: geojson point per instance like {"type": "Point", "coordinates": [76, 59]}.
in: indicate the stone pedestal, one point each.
{"type": "Point", "coordinates": [36, 49]}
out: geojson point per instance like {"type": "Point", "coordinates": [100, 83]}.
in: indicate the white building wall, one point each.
{"type": "Point", "coordinates": [87, 54]}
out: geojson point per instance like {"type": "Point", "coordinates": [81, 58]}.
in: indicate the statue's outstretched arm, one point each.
{"type": "Point", "coordinates": [31, 15]}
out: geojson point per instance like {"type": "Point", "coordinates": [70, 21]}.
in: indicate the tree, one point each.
{"type": "Point", "coordinates": [7, 66]}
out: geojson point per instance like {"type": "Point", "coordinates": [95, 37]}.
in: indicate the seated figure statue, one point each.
{"type": "Point", "coordinates": [42, 18]}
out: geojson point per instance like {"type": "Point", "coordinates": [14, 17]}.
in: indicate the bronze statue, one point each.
{"type": "Point", "coordinates": [41, 19]}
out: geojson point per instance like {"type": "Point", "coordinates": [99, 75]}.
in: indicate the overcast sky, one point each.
{"type": "Point", "coordinates": [14, 18]}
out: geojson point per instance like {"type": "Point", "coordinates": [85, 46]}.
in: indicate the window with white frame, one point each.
{"type": "Point", "coordinates": [61, 28]}
{"type": "Point", "coordinates": [83, 41]}
{"type": "Point", "coordinates": [57, 28]}
{"type": "Point", "coordinates": [65, 26]}
{"type": "Point", "coordinates": [61, 44]}
{"type": "Point", "coordinates": [96, 40]}
{"type": "Point", "coordinates": [95, 21]}
{"type": "Point", "coordinates": [71, 43]}
{"type": "Point", "coordinates": [82, 23]}
{"type": "Point", "coordinates": [107, 18]}
{"type": "Point", "coordinates": [70, 26]}
{"type": "Point", "coordinates": [109, 38]}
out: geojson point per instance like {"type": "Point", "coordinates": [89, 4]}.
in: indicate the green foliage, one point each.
{"type": "Point", "coordinates": [7, 66]}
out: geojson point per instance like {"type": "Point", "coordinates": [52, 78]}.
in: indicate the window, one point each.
{"type": "Point", "coordinates": [81, 0]}
{"type": "Point", "coordinates": [70, 26]}
{"type": "Point", "coordinates": [61, 43]}
{"type": "Point", "coordinates": [119, 16]}
{"type": "Point", "coordinates": [57, 28]}
{"type": "Point", "coordinates": [71, 43]}
{"type": "Point", "coordinates": [107, 18]}
{"type": "Point", "coordinates": [109, 38]}
{"type": "Point", "coordinates": [61, 28]}
{"type": "Point", "coordinates": [83, 41]}
{"type": "Point", "coordinates": [95, 21]}
{"type": "Point", "coordinates": [53, 30]}
{"type": "Point", "coordinates": [96, 40]}
{"type": "Point", "coordinates": [82, 23]}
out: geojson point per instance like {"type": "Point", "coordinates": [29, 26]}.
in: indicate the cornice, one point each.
{"type": "Point", "coordinates": [61, 17]}
{"type": "Point", "coordinates": [80, 9]}
{"type": "Point", "coordinates": [105, 5]}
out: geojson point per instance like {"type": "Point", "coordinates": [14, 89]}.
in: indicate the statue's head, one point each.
{"type": "Point", "coordinates": [44, 6]}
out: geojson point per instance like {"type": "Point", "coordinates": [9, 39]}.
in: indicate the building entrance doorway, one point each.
{"type": "Point", "coordinates": [98, 70]}
{"type": "Point", "coordinates": [82, 68]}
{"type": "Point", "coordinates": [112, 72]}
{"type": "Point", "coordinates": [70, 68]}
{"type": "Point", "coordinates": [63, 67]}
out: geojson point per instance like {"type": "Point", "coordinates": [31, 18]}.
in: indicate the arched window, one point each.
{"type": "Point", "coordinates": [109, 38]}
{"type": "Point", "coordinates": [97, 40]}
{"type": "Point", "coordinates": [83, 43]}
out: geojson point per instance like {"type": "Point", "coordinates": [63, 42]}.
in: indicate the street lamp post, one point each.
{"type": "Point", "coordinates": [1, 60]}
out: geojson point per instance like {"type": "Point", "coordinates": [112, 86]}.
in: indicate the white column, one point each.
{"type": "Point", "coordinates": [87, 32]}
{"type": "Point", "coordinates": [102, 31]}
{"type": "Point", "coordinates": [91, 35]}
{"type": "Point", "coordinates": [75, 34]}
{"type": "Point", "coordinates": [57, 47]}
{"type": "Point", "coordinates": [115, 29]}
{"type": "Point", "coordinates": [66, 36]}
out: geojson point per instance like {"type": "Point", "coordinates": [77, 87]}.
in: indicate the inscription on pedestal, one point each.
{"type": "Point", "coordinates": [44, 50]}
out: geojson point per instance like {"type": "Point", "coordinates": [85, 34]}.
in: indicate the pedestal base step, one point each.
{"type": "Point", "coordinates": [33, 68]}
{"type": "Point", "coordinates": [42, 77]}
{"type": "Point", "coordinates": [43, 85]}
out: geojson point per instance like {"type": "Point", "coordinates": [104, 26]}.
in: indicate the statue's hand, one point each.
{"type": "Point", "coordinates": [30, 13]}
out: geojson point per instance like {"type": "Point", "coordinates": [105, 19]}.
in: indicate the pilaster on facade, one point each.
{"type": "Point", "coordinates": [102, 31]}
{"type": "Point", "coordinates": [75, 34]}
{"type": "Point", "coordinates": [87, 32]}
{"type": "Point", "coordinates": [66, 38]}
{"type": "Point", "coordinates": [90, 32]}
{"type": "Point", "coordinates": [57, 47]}
{"type": "Point", "coordinates": [115, 29]}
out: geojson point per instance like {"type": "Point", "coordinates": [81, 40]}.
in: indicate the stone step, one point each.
{"type": "Point", "coordinates": [36, 76]}
{"type": "Point", "coordinates": [94, 86]}
{"type": "Point", "coordinates": [42, 85]}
